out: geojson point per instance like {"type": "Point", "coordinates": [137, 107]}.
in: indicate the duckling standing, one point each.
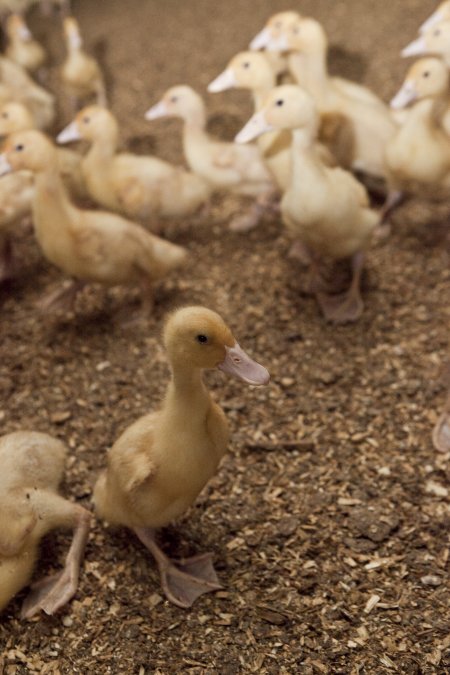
{"type": "Point", "coordinates": [225, 166]}
{"type": "Point", "coordinates": [32, 468]}
{"type": "Point", "coordinates": [80, 73]}
{"type": "Point", "coordinates": [139, 187]}
{"type": "Point", "coordinates": [160, 463]}
{"type": "Point", "coordinates": [326, 208]}
{"type": "Point", "coordinates": [22, 48]}
{"type": "Point", "coordinates": [91, 246]}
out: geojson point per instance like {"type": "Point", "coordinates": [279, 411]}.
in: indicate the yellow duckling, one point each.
{"type": "Point", "coordinates": [275, 27]}
{"type": "Point", "coordinates": [139, 187]}
{"type": "Point", "coordinates": [91, 246]}
{"type": "Point", "coordinates": [80, 73]}
{"type": "Point", "coordinates": [160, 464]}
{"type": "Point", "coordinates": [32, 468]}
{"type": "Point", "coordinates": [418, 156]}
{"type": "Point", "coordinates": [225, 166]}
{"type": "Point", "coordinates": [442, 13]}
{"type": "Point", "coordinates": [326, 208]}
{"type": "Point", "coordinates": [434, 41]}
{"type": "Point", "coordinates": [441, 432]}
{"type": "Point", "coordinates": [22, 48]}
{"type": "Point", "coordinates": [15, 117]}
{"type": "Point", "coordinates": [17, 85]}
{"type": "Point", "coordinates": [370, 122]}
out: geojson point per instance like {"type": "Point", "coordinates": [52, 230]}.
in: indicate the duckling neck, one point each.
{"type": "Point", "coordinates": [103, 147]}
{"type": "Point", "coordinates": [305, 161]}
{"type": "Point", "coordinates": [310, 71]}
{"type": "Point", "coordinates": [187, 396]}
{"type": "Point", "coordinates": [195, 138]}
{"type": "Point", "coordinates": [52, 211]}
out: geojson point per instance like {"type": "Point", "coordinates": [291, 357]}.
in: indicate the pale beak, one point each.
{"type": "Point", "coordinates": [226, 80]}
{"type": "Point", "coordinates": [406, 96]}
{"type": "Point", "coordinates": [24, 33]}
{"type": "Point", "coordinates": [415, 48]}
{"type": "Point", "coordinates": [75, 41]}
{"type": "Point", "coordinates": [69, 134]}
{"type": "Point", "coordinates": [239, 364]}
{"type": "Point", "coordinates": [278, 44]}
{"type": "Point", "coordinates": [158, 110]}
{"type": "Point", "coordinates": [435, 18]}
{"type": "Point", "coordinates": [256, 126]}
{"type": "Point", "coordinates": [5, 166]}
{"type": "Point", "coordinates": [261, 40]}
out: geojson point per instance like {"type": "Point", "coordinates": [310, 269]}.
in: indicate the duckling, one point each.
{"type": "Point", "coordinates": [22, 48]}
{"type": "Point", "coordinates": [32, 468]}
{"type": "Point", "coordinates": [442, 13]}
{"type": "Point", "coordinates": [80, 73]}
{"type": "Point", "coordinates": [369, 121]}
{"type": "Point", "coordinates": [418, 156]}
{"type": "Point", "coordinates": [326, 208]}
{"type": "Point", "coordinates": [91, 246]}
{"type": "Point", "coordinates": [138, 187]}
{"type": "Point", "coordinates": [225, 166]}
{"type": "Point", "coordinates": [441, 432]}
{"type": "Point", "coordinates": [433, 41]}
{"type": "Point", "coordinates": [160, 464]}
{"type": "Point", "coordinates": [15, 117]}
{"type": "Point", "coordinates": [16, 84]}
{"type": "Point", "coordinates": [274, 28]}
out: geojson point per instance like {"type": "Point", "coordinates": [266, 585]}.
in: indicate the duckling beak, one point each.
{"type": "Point", "coordinates": [24, 33]}
{"type": "Point", "coordinates": [256, 126]}
{"type": "Point", "coordinates": [238, 363]}
{"type": "Point", "coordinates": [226, 80]}
{"type": "Point", "coordinates": [415, 48]}
{"type": "Point", "coordinates": [158, 110]}
{"type": "Point", "coordinates": [261, 40]}
{"type": "Point", "coordinates": [405, 96]}
{"type": "Point", "coordinates": [435, 18]}
{"type": "Point", "coordinates": [69, 134]}
{"type": "Point", "coordinates": [279, 44]}
{"type": "Point", "coordinates": [5, 166]}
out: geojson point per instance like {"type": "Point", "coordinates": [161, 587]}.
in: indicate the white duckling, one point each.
{"type": "Point", "coordinates": [80, 72]}
{"type": "Point", "coordinates": [32, 468]}
{"type": "Point", "coordinates": [139, 187]}
{"type": "Point", "coordinates": [22, 48]}
{"type": "Point", "coordinates": [369, 121]}
{"type": "Point", "coordinates": [160, 464]}
{"type": "Point", "coordinates": [16, 84]}
{"type": "Point", "coordinates": [90, 246]}
{"type": "Point", "coordinates": [15, 117]}
{"type": "Point", "coordinates": [223, 165]}
{"type": "Point", "coordinates": [442, 13]}
{"type": "Point", "coordinates": [326, 208]}
{"type": "Point", "coordinates": [273, 28]}
{"type": "Point", "coordinates": [434, 41]}
{"type": "Point", "coordinates": [418, 156]}
{"type": "Point", "coordinates": [441, 432]}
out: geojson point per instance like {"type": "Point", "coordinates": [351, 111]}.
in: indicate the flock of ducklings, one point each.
{"type": "Point", "coordinates": [311, 134]}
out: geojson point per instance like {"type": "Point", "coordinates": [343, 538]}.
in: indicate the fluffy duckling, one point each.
{"type": "Point", "coordinates": [80, 73]}
{"type": "Point", "coordinates": [441, 432]}
{"type": "Point", "coordinates": [433, 41]}
{"type": "Point", "coordinates": [15, 117]}
{"type": "Point", "coordinates": [442, 13]}
{"type": "Point", "coordinates": [274, 28]}
{"type": "Point", "coordinates": [160, 464]}
{"type": "Point", "coordinates": [16, 84]}
{"type": "Point", "coordinates": [22, 48]}
{"type": "Point", "coordinates": [326, 208]}
{"type": "Point", "coordinates": [138, 187]}
{"type": "Point", "coordinates": [369, 122]}
{"type": "Point", "coordinates": [225, 166]}
{"type": "Point", "coordinates": [90, 246]}
{"type": "Point", "coordinates": [418, 156]}
{"type": "Point", "coordinates": [32, 468]}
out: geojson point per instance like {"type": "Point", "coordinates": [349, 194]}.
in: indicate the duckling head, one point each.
{"type": "Point", "coordinates": [197, 337]}
{"type": "Point", "coordinates": [427, 78]}
{"type": "Point", "coordinates": [276, 25]}
{"type": "Point", "coordinates": [180, 101]}
{"type": "Point", "coordinates": [91, 123]}
{"type": "Point", "coordinates": [285, 107]}
{"type": "Point", "coordinates": [17, 29]}
{"type": "Point", "coordinates": [72, 34]}
{"type": "Point", "coordinates": [26, 150]}
{"type": "Point", "coordinates": [246, 70]}
{"type": "Point", "coordinates": [14, 116]}
{"type": "Point", "coordinates": [433, 40]}
{"type": "Point", "coordinates": [304, 35]}
{"type": "Point", "coordinates": [442, 13]}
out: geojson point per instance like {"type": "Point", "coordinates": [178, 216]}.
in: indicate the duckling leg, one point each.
{"type": "Point", "coordinates": [63, 298]}
{"type": "Point", "coordinates": [51, 593]}
{"type": "Point", "coordinates": [185, 580]}
{"type": "Point", "coordinates": [299, 251]}
{"type": "Point", "coordinates": [441, 432]}
{"type": "Point", "coordinates": [264, 203]}
{"type": "Point", "coordinates": [345, 307]}
{"type": "Point", "coordinates": [393, 200]}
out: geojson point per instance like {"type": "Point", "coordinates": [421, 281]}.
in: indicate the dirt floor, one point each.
{"type": "Point", "coordinates": [329, 518]}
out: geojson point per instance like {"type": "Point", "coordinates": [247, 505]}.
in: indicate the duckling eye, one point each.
{"type": "Point", "coordinates": [19, 147]}
{"type": "Point", "coordinates": [437, 32]}
{"type": "Point", "coordinates": [277, 24]}
{"type": "Point", "coordinates": [86, 120]}
{"type": "Point", "coordinates": [5, 115]}
{"type": "Point", "coordinates": [280, 102]}
{"type": "Point", "coordinates": [246, 65]}
{"type": "Point", "coordinates": [202, 338]}
{"type": "Point", "coordinates": [426, 73]}
{"type": "Point", "coordinates": [174, 99]}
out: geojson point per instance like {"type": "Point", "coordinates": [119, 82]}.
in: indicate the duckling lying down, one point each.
{"type": "Point", "coordinates": [32, 467]}
{"type": "Point", "coordinates": [160, 464]}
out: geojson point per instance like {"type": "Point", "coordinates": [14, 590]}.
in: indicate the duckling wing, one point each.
{"type": "Point", "coordinates": [244, 160]}
{"type": "Point", "coordinates": [14, 531]}
{"type": "Point", "coordinates": [351, 185]}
